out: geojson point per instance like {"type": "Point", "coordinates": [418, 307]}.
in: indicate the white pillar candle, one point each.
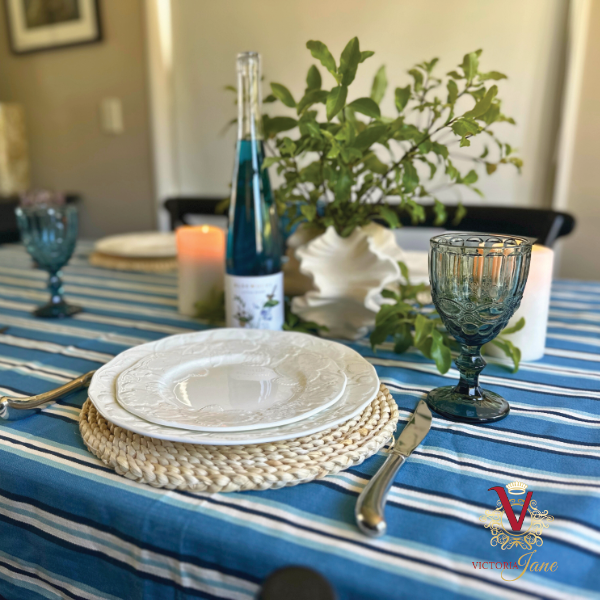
{"type": "Point", "coordinates": [531, 340]}
{"type": "Point", "coordinates": [201, 264]}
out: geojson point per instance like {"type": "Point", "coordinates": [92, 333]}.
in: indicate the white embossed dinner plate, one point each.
{"type": "Point", "coordinates": [152, 244]}
{"type": "Point", "coordinates": [361, 387]}
{"type": "Point", "coordinates": [229, 380]}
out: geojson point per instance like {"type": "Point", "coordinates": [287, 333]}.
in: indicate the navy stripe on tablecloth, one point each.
{"type": "Point", "coordinates": [69, 527]}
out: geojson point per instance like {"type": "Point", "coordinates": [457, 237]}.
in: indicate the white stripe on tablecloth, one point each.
{"type": "Point", "coordinates": [142, 560]}
{"type": "Point", "coordinates": [583, 316]}
{"type": "Point", "coordinates": [71, 351]}
{"type": "Point", "coordinates": [104, 305]}
{"type": "Point", "coordinates": [69, 330]}
{"type": "Point", "coordinates": [511, 383]}
{"type": "Point", "coordinates": [574, 354]}
{"type": "Point", "coordinates": [14, 283]}
{"type": "Point", "coordinates": [573, 326]}
{"type": "Point", "coordinates": [41, 578]}
{"type": "Point", "coordinates": [561, 529]}
{"type": "Point", "coordinates": [167, 289]}
{"type": "Point", "coordinates": [325, 544]}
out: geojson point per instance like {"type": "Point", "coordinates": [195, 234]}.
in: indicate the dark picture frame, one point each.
{"type": "Point", "coordinates": [40, 25]}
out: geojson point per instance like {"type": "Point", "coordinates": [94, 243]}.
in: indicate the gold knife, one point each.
{"type": "Point", "coordinates": [370, 506]}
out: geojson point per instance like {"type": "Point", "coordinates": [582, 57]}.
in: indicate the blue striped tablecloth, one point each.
{"type": "Point", "coordinates": [71, 528]}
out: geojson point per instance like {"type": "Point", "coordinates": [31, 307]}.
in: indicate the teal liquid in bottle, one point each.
{"type": "Point", "coordinates": [254, 280]}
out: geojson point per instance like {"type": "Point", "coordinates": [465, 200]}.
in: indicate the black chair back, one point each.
{"type": "Point", "coordinates": [545, 225]}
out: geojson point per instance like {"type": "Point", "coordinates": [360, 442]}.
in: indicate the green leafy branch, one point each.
{"type": "Point", "coordinates": [410, 323]}
{"type": "Point", "coordinates": [333, 172]}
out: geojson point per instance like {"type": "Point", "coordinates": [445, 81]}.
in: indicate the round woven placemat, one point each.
{"type": "Point", "coordinates": [199, 468]}
{"type": "Point", "coordinates": [119, 263]}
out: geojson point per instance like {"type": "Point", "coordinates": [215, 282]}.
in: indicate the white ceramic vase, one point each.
{"type": "Point", "coordinates": [346, 277]}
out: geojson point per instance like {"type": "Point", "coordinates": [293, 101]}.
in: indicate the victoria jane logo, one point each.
{"type": "Point", "coordinates": [512, 531]}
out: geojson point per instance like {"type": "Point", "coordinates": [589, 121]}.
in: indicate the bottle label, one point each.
{"type": "Point", "coordinates": [254, 302]}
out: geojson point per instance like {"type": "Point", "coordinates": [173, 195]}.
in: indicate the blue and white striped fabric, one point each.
{"type": "Point", "coordinates": [71, 528]}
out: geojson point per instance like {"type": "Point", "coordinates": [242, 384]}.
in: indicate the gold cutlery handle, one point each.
{"type": "Point", "coordinates": [370, 506]}
{"type": "Point", "coordinates": [13, 408]}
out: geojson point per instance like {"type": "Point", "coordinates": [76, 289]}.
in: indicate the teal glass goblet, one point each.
{"type": "Point", "coordinates": [477, 282]}
{"type": "Point", "coordinates": [49, 234]}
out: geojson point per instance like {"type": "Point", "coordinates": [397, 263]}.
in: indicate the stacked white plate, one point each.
{"type": "Point", "coordinates": [151, 244]}
{"type": "Point", "coordinates": [234, 386]}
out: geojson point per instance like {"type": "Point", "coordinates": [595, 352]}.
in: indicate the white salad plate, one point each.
{"type": "Point", "coordinates": [152, 244]}
{"type": "Point", "coordinates": [228, 382]}
{"type": "Point", "coordinates": [361, 388]}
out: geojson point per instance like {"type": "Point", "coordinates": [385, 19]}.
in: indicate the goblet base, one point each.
{"type": "Point", "coordinates": [449, 403]}
{"type": "Point", "coordinates": [57, 310]}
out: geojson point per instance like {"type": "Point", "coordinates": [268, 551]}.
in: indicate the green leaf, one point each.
{"type": "Point", "coordinates": [439, 149]}
{"type": "Point", "coordinates": [510, 350]}
{"type": "Point", "coordinates": [310, 98]}
{"type": "Point", "coordinates": [402, 96]}
{"type": "Point", "coordinates": [336, 100]}
{"type": "Point", "coordinates": [418, 77]}
{"type": "Point", "coordinates": [455, 75]}
{"type": "Point", "coordinates": [464, 127]}
{"type": "Point", "coordinates": [309, 211]}
{"type": "Point", "coordinates": [484, 104]}
{"type": "Point", "coordinates": [269, 98]}
{"type": "Point", "coordinates": [440, 352]}
{"type": "Point", "coordinates": [423, 329]}
{"type": "Point", "coordinates": [495, 75]}
{"type": "Point", "coordinates": [452, 91]}
{"type": "Point", "coordinates": [379, 86]}
{"type": "Point", "coordinates": [343, 185]}
{"type": "Point", "coordinates": [275, 125]}
{"type": "Point", "coordinates": [389, 215]}
{"type": "Point", "coordinates": [379, 335]}
{"type": "Point", "coordinates": [410, 178]}
{"type": "Point", "coordinates": [403, 339]}
{"type": "Point", "coordinates": [365, 139]}
{"type": "Point", "coordinates": [313, 79]}
{"type": "Point", "coordinates": [320, 51]}
{"type": "Point", "coordinates": [366, 106]}
{"type": "Point", "coordinates": [404, 271]}
{"type": "Point", "coordinates": [375, 165]}
{"type": "Point", "coordinates": [349, 61]}
{"type": "Point", "coordinates": [440, 213]}
{"type": "Point", "coordinates": [470, 178]}
{"type": "Point", "coordinates": [213, 308]}
{"type": "Point", "coordinates": [490, 168]}
{"type": "Point", "coordinates": [470, 64]}
{"type": "Point", "coordinates": [283, 94]}
{"type": "Point", "coordinates": [516, 327]}
{"type": "Point", "coordinates": [270, 160]}
{"type": "Point", "coordinates": [389, 294]}
{"type": "Point", "coordinates": [461, 211]}
{"type": "Point", "coordinates": [366, 54]}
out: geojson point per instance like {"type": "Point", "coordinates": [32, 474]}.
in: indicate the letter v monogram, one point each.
{"type": "Point", "coordinates": [508, 509]}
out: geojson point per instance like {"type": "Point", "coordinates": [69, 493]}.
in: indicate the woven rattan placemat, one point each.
{"type": "Point", "coordinates": [147, 265]}
{"type": "Point", "coordinates": [199, 468]}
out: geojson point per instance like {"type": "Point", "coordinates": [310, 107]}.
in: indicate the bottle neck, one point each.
{"type": "Point", "coordinates": [249, 97]}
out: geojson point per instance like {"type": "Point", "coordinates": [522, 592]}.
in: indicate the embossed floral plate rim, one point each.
{"type": "Point", "coordinates": [308, 382]}
{"type": "Point", "coordinates": [361, 388]}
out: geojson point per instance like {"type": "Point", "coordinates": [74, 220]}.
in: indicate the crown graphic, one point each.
{"type": "Point", "coordinates": [516, 487]}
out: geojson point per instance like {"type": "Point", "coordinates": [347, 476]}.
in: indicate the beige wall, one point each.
{"type": "Point", "coordinates": [524, 39]}
{"type": "Point", "coordinates": [580, 253]}
{"type": "Point", "coordinates": [61, 91]}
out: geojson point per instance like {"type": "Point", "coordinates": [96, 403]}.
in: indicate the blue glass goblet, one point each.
{"type": "Point", "coordinates": [49, 234]}
{"type": "Point", "coordinates": [477, 282]}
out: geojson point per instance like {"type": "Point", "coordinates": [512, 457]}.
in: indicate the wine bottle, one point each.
{"type": "Point", "coordinates": [254, 280]}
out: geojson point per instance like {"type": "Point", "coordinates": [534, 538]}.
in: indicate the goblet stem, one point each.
{"type": "Point", "coordinates": [470, 363]}
{"type": "Point", "coordinates": [55, 286]}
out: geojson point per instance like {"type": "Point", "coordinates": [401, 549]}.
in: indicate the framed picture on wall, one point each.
{"type": "Point", "coordinates": [35, 25]}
